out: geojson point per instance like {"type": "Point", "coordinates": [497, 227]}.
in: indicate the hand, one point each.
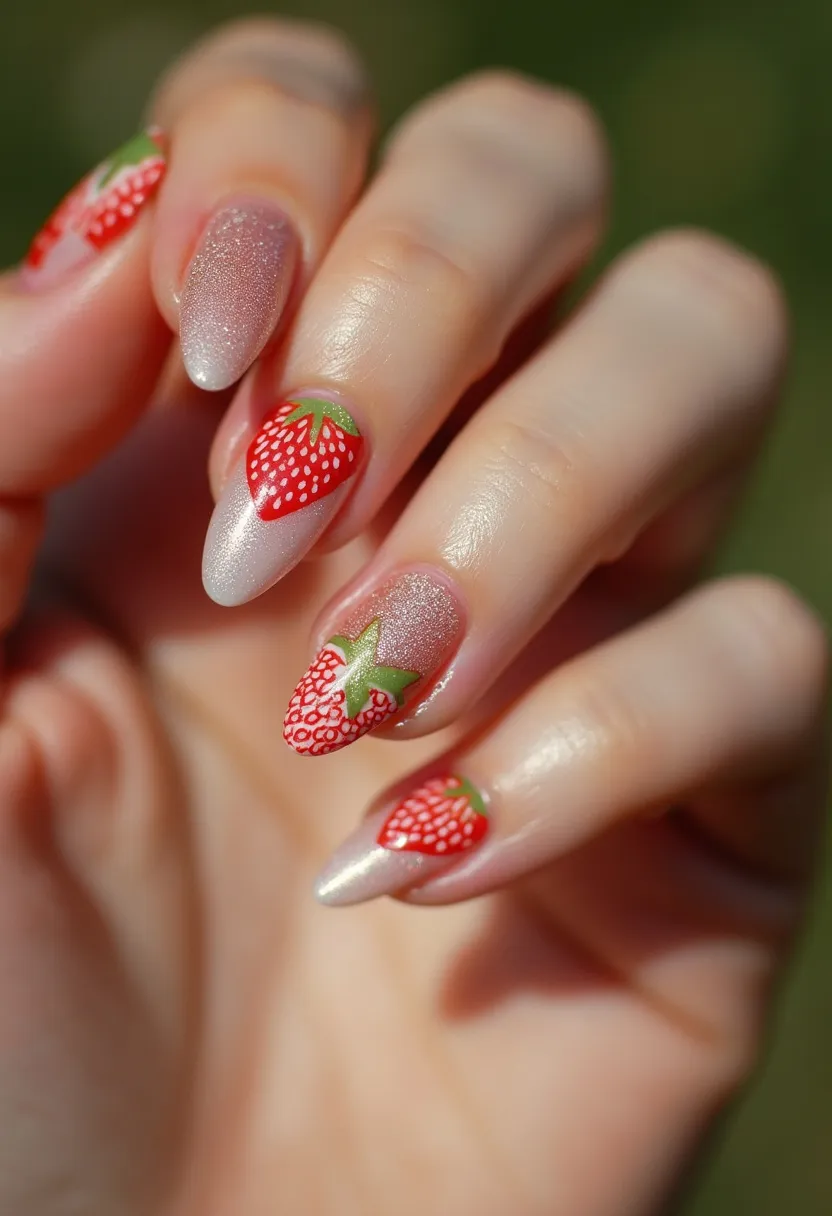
{"type": "Point", "coordinates": [635, 773]}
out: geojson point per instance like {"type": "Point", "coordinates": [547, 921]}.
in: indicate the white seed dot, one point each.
{"type": "Point", "coordinates": [289, 496]}
{"type": "Point", "coordinates": [351, 456]}
{"type": "Point", "coordinates": [327, 479]}
{"type": "Point", "coordinates": [336, 464]}
{"type": "Point", "coordinates": [341, 447]}
{"type": "Point", "coordinates": [441, 846]}
{"type": "Point", "coordinates": [304, 497]}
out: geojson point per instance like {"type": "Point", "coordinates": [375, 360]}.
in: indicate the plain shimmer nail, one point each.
{"type": "Point", "coordinates": [385, 650]}
{"type": "Point", "coordinates": [236, 288]}
{"type": "Point", "coordinates": [100, 210]}
{"type": "Point", "coordinates": [425, 833]}
{"type": "Point", "coordinates": [280, 498]}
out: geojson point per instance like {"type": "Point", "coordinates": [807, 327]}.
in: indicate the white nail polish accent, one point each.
{"type": "Point", "coordinates": [362, 870]}
{"type": "Point", "coordinates": [245, 555]}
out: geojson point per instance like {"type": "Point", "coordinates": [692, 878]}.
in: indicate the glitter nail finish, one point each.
{"type": "Point", "coordinates": [280, 498]}
{"type": "Point", "coordinates": [100, 210]}
{"type": "Point", "coordinates": [236, 288]}
{"type": "Point", "coordinates": [424, 834]}
{"type": "Point", "coordinates": [382, 653]}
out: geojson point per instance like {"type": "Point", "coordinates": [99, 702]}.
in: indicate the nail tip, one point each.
{"type": "Point", "coordinates": [210, 378]}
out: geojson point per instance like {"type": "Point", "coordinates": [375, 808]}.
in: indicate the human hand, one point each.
{"type": "Point", "coordinates": [183, 1028]}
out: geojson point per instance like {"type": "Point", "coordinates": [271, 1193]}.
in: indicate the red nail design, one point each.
{"type": "Point", "coordinates": [446, 815]}
{"type": "Point", "coordinates": [100, 210]}
{"type": "Point", "coordinates": [390, 643]}
{"type": "Point", "coordinates": [344, 694]}
{"type": "Point", "coordinates": [302, 453]}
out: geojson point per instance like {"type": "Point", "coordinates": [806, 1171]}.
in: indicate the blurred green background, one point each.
{"type": "Point", "coordinates": [719, 113]}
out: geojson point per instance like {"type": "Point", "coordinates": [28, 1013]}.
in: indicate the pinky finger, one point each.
{"type": "Point", "coordinates": [717, 703]}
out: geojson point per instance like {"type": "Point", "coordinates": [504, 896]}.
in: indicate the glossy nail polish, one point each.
{"type": "Point", "coordinates": [426, 832]}
{"type": "Point", "coordinates": [235, 290]}
{"type": "Point", "coordinates": [280, 497]}
{"type": "Point", "coordinates": [377, 659]}
{"type": "Point", "coordinates": [100, 210]}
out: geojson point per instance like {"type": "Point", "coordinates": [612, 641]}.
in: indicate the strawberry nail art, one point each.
{"type": "Point", "coordinates": [281, 496]}
{"type": "Point", "coordinates": [389, 646]}
{"type": "Point", "coordinates": [100, 210]}
{"type": "Point", "coordinates": [304, 451]}
{"type": "Point", "coordinates": [426, 833]}
{"type": "Point", "coordinates": [445, 816]}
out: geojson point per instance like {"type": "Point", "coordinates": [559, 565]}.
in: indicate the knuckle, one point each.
{"type": "Point", "coordinates": [303, 61]}
{"type": "Point", "coordinates": [529, 120]}
{"type": "Point", "coordinates": [778, 631]}
{"type": "Point", "coordinates": [537, 465]}
{"type": "Point", "coordinates": [412, 261]}
{"type": "Point", "coordinates": [611, 718]}
{"type": "Point", "coordinates": [732, 288]}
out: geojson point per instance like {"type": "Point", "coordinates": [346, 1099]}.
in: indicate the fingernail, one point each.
{"type": "Point", "coordinates": [100, 210]}
{"type": "Point", "coordinates": [377, 658]}
{"type": "Point", "coordinates": [427, 832]}
{"type": "Point", "coordinates": [235, 290]}
{"type": "Point", "coordinates": [280, 498]}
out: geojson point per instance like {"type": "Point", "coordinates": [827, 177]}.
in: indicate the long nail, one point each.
{"type": "Point", "coordinates": [378, 658]}
{"type": "Point", "coordinates": [236, 288]}
{"type": "Point", "coordinates": [280, 498]}
{"type": "Point", "coordinates": [426, 832]}
{"type": "Point", "coordinates": [102, 208]}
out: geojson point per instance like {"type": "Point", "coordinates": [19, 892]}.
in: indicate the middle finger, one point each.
{"type": "Point", "coordinates": [490, 197]}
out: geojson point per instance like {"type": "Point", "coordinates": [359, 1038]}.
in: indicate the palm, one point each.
{"type": "Point", "coordinates": [203, 1029]}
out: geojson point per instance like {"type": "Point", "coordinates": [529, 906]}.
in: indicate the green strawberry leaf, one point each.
{"type": "Point", "coordinates": [319, 411]}
{"type": "Point", "coordinates": [466, 789]}
{"type": "Point", "coordinates": [363, 673]}
{"type": "Point", "coordinates": [136, 150]}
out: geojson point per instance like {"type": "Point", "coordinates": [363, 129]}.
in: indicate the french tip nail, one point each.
{"type": "Point", "coordinates": [235, 290]}
{"type": "Point", "coordinates": [424, 834]}
{"type": "Point", "coordinates": [361, 870]}
{"type": "Point", "coordinates": [279, 499]}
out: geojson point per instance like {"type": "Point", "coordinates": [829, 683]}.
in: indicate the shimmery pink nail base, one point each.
{"type": "Point", "coordinates": [378, 656]}
{"type": "Point", "coordinates": [235, 290]}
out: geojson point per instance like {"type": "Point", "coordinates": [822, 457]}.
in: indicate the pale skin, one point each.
{"type": "Point", "coordinates": [183, 1030]}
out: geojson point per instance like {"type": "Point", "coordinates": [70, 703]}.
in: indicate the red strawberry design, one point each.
{"type": "Point", "coordinates": [105, 204]}
{"type": "Point", "coordinates": [444, 816]}
{"type": "Point", "coordinates": [304, 451]}
{"type": "Point", "coordinates": [344, 694]}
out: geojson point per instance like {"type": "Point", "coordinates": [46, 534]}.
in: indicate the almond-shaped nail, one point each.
{"type": "Point", "coordinates": [280, 497]}
{"type": "Point", "coordinates": [429, 830]}
{"type": "Point", "coordinates": [378, 658]}
{"type": "Point", "coordinates": [100, 210]}
{"type": "Point", "coordinates": [235, 290]}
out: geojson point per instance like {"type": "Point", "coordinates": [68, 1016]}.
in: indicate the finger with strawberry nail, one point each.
{"type": "Point", "coordinates": [443, 257]}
